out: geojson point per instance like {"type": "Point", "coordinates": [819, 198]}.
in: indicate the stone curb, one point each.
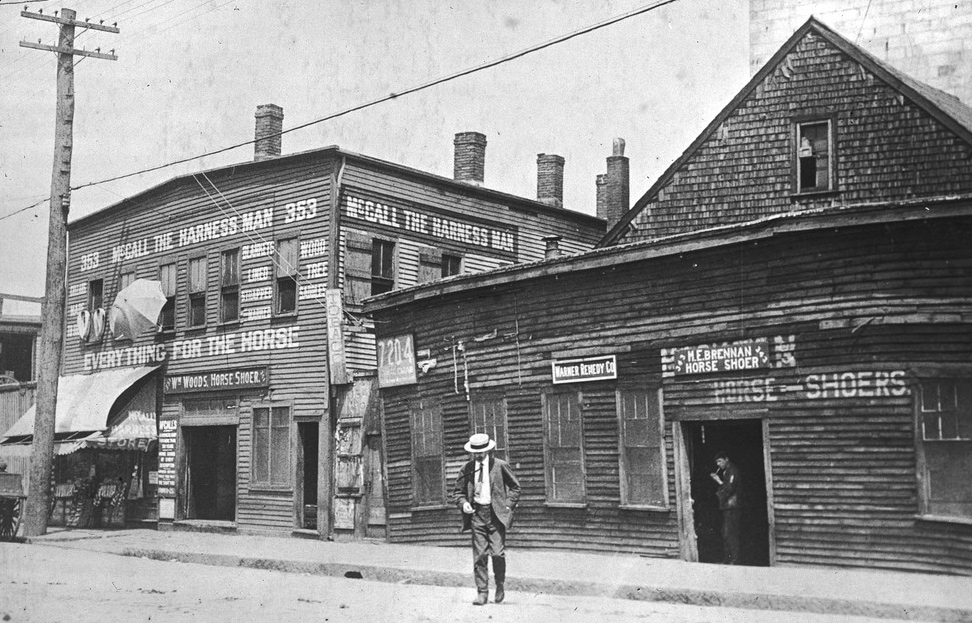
{"type": "Point", "coordinates": [684, 596]}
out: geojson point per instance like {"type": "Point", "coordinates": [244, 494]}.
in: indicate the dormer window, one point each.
{"type": "Point", "coordinates": [814, 156]}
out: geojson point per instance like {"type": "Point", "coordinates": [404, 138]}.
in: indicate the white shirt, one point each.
{"type": "Point", "coordinates": [482, 495]}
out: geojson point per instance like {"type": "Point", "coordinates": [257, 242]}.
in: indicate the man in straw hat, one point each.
{"type": "Point", "coordinates": [487, 492]}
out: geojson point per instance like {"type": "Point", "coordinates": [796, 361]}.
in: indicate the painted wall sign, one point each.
{"type": "Point", "coordinates": [254, 220]}
{"type": "Point", "coordinates": [582, 370]}
{"type": "Point", "coordinates": [399, 217]}
{"type": "Point", "coordinates": [846, 385]}
{"type": "Point", "coordinates": [220, 345]}
{"type": "Point", "coordinates": [747, 355]}
{"type": "Point", "coordinates": [396, 361]}
{"type": "Point", "coordinates": [336, 355]}
{"type": "Point", "coordinates": [215, 380]}
{"type": "Point", "coordinates": [168, 430]}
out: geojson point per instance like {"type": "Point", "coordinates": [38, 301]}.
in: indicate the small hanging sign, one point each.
{"type": "Point", "coordinates": [600, 368]}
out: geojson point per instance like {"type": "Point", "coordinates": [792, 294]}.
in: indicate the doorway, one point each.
{"type": "Point", "coordinates": [742, 440]}
{"type": "Point", "coordinates": [307, 474]}
{"type": "Point", "coordinates": [211, 472]}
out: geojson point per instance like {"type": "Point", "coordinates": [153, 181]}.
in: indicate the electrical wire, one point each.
{"type": "Point", "coordinates": [394, 95]}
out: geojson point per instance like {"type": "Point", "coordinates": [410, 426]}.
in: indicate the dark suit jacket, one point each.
{"type": "Point", "coordinates": [504, 490]}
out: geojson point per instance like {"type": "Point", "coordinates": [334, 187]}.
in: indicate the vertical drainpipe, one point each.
{"type": "Point", "coordinates": [325, 431]}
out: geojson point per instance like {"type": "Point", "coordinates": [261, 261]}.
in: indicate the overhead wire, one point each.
{"type": "Point", "coordinates": [397, 94]}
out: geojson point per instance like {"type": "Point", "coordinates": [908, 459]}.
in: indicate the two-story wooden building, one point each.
{"type": "Point", "coordinates": [794, 290]}
{"type": "Point", "coordinates": [262, 370]}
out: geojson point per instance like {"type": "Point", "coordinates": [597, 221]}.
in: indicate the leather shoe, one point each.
{"type": "Point", "coordinates": [500, 594]}
{"type": "Point", "coordinates": [481, 599]}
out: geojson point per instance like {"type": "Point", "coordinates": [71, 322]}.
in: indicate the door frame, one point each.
{"type": "Point", "coordinates": [687, 538]}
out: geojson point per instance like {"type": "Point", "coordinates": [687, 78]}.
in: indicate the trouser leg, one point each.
{"type": "Point", "coordinates": [481, 548]}
{"type": "Point", "coordinates": [730, 535]}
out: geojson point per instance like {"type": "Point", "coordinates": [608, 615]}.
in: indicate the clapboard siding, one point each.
{"type": "Point", "coordinates": [856, 299]}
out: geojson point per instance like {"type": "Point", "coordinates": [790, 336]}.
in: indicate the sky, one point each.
{"type": "Point", "coordinates": [190, 74]}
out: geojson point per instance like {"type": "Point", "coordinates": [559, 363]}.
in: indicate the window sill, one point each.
{"type": "Point", "coordinates": [269, 489]}
{"type": "Point", "coordinates": [281, 318]}
{"type": "Point", "coordinates": [230, 325]}
{"type": "Point", "coordinates": [195, 329]}
{"type": "Point", "coordinates": [565, 504]}
{"type": "Point", "coordinates": [165, 336]}
{"type": "Point", "coordinates": [644, 507]}
{"type": "Point", "coordinates": [964, 521]}
{"type": "Point", "coordinates": [430, 507]}
{"type": "Point", "coordinates": [814, 194]}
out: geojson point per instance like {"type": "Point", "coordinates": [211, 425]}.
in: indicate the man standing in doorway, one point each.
{"type": "Point", "coordinates": [729, 493]}
{"type": "Point", "coordinates": [486, 492]}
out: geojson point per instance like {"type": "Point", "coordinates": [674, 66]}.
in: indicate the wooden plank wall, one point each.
{"type": "Point", "coordinates": [856, 300]}
{"type": "Point", "coordinates": [14, 402]}
{"type": "Point", "coordinates": [298, 375]}
{"type": "Point", "coordinates": [888, 149]}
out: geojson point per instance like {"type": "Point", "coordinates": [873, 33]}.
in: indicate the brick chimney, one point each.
{"type": "Point", "coordinates": [616, 188]}
{"type": "Point", "coordinates": [601, 183]}
{"type": "Point", "coordinates": [269, 125]}
{"type": "Point", "coordinates": [550, 179]}
{"type": "Point", "coordinates": [470, 159]}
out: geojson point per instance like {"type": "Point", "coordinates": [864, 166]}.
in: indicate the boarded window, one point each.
{"type": "Point", "coordinates": [945, 453]}
{"type": "Point", "coordinates": [430, 264]}
{"type": "Point", "coordinates": [814, 157]}
{"type": "Point", "coordinates": [271, 447]}
{"type": "Point", "coordinates": [564, 447]}
{"type": "Point", "coordinates": [487, 414]}
{"type": "Point", "coordinates": [286, 284]}
{"type": "Point", "coordinates": [167, 275]}
{"type": "Point", "coordinates": [641, 441]}
{"type": "Point", "coordinates": [197, 292]}
{"type": "Point", "coordinates": [125, 280]}
{"type": "Point", "coordinates": [427, 467]}
{"type": "Point", "coordinates": [357, 267]}
{"type": "Point", "coordinates": [229, 281]}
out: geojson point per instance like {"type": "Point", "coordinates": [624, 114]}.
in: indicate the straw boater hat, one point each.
{"type": "Point", "coordinates": [480, 442]}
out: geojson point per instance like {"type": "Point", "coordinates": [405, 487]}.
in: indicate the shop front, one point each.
{"type": "Point", "coordinates": [106, 449]}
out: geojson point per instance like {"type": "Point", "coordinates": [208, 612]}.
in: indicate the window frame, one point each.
{"type": "Point", "coordinates": [448, 260]}
{"type": "Point", "coordinates": [287, 431]}
{"type": "Point", "coordinates": [170, 299]}
{"type": "Point", "coordinates": [194, 296]}
{"type": "Point", "coordinates": [653, 397]}
{"type": "Point", "coordinates": [430, 410]}
{"type": "Point", "coordinates": [798, 124]}
{"type": "Point", "coordinates": [380, 281]}
{"type": "Point", "coordinates": [229, 289]}
{"type": "Point", "coordinates": [575, 399]}
{"type": "Point", "coordinates": [288, 274]}
{"type": "Point", "coordinates": [923, 445]}
{"type": "Point", "coordinates": [487, 400]}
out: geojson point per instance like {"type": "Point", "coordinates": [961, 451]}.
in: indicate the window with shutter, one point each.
{"type": "Point", "coordinates": [167, 275]}
{"type": "Point", "coordinates": [357, 267]}
{"type": "Point", "coordinates": [287, 264]}
{"type": "Point", "coordinates": [564, 448]}
{"type": "Point", "coordinates": [428, 475]}
{"type": "Point", "coordinates": [944, 423]}
{"type": "Point", "coordinates": [229, 294]}
{"type": "Point", "coordinates": [430, 264]}
{"type": "Point", "coordinates": [197, 292]}
{"type": "Point", "coordinates": [642, 448]}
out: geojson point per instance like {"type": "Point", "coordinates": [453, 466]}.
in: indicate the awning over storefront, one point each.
{"type": "Point", "coordinates": [84, 405]}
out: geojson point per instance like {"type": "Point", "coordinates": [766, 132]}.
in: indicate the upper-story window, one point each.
{"type": "Point", "coordinates": [814, 158]}
{"type": "Point", "coordinates": [167, 275]}
{"type": "Point", "coordinates": [286, 268]}
{"type": "Point", "coordinates": [229, 281]}
{"type": "Point", "coordinates": [197, 292]}
{"type": "Point", "coordinates": [125, 280]}
{"type": "Point", "coordinates": [96, 289]}
{"type": "Point", "coordinates": [451, 265]}
{"type": "Point", "coordinates": [382, 266]}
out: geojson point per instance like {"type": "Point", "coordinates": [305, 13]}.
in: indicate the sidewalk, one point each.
{"type": "Point", "coordinates": [903, 596]}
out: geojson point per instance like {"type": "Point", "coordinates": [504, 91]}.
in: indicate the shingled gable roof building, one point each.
{"type": "Point", "coordinates": [261, 371]}
{"type": "Point", "coordinates": [793, 290]}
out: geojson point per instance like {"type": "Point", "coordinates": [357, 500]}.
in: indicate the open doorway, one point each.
{"type": "Point", "coordinates": [307, 474]}
{"type": "Point", "coordinates": [211, 472]}
{"type": "Point", "coordinates": [742, 440]}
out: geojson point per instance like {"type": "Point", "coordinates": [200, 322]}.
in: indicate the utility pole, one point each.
{"type": "Point", "coordinates": [37, 508]}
